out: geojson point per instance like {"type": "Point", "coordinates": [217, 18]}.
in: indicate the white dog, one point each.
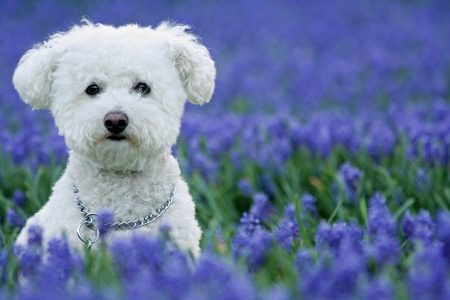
{"type": "Point", "coordinates": [117, 96]}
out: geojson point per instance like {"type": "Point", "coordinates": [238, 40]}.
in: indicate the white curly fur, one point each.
{"type": "Point", "coordinates": [132, 177]}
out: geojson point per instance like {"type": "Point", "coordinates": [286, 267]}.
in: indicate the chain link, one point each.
{"type": "Point", "coordinates": [89, 223]}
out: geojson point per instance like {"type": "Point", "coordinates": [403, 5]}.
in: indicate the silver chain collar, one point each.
{"type": "Point", "coordinates": [89, 223]}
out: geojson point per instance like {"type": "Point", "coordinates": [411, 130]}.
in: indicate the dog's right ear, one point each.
{"type": "Point", "coordinates": [33, 75]}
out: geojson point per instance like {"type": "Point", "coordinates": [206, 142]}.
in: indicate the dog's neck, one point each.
{"type": "Point", "coordinates": [126, 193]}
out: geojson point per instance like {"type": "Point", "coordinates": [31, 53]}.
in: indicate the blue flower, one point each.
{"type": "Point", "coordinates": [13, 218]}
{"type": "Point", "coordinates": [262, 207]}
{"type": "Point", "coordinates": [18, 197]}
{"type": "Point", "coordinates": [419, 228]}
{"type": "Point", "coordinates": [309, 204]}
{"type": "Point", "coordinates": [443, 233]}
{"type": "Point", "coordinates": [105, 219]}
{"type": "Point", "coordinates": [378, 289]}
{"type": "Point", "coordinates": [384, 249]}
{"type": "Point", "coordinates": [380, 222]}
{"type": "Point", "coordinates": [422, 180]}
{"type": "Point", "coordinates": [287, 231]}
{"type": "Point", "coordinates": [334, 237]}
{"type": "Point", "coordinates": [245, 187]}
{"type": "Point", "coordinates": [60, 263]}
{"type": "Point", "coordinates": [215, 279]}
{"type": "Point", "coordinates": [427, 277]}
{"type": "Point", "coordinates": [34, 236]}
{"type": "Point", "coordinates": [250, 243]}
{"type": "Point", "coordinates": [351, 177]}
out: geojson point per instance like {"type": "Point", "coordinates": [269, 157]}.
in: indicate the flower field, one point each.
{"type": "Point", "coordinates": [320, 168]}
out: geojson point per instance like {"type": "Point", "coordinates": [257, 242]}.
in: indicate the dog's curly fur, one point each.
{"type": "Point", "coordinates": [133, 176]}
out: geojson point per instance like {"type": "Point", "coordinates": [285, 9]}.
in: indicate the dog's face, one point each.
{"type": "Point", "coordinates": [117, 94]}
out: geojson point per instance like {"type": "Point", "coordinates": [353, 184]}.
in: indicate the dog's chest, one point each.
{"type": "Point", "coordinates": [127, 199]}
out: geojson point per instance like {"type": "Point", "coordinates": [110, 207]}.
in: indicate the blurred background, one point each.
{"type": "Point", "coordinates": [284, 57]}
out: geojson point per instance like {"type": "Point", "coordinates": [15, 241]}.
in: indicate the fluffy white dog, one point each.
{"type": "Point", "coordinates": [117, 96]}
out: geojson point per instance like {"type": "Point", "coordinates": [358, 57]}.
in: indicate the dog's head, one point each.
{"type": "Point", "coordinates": [117, 94]}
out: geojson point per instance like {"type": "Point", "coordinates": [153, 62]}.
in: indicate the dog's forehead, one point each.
{"type": "Point", "coordinates": [111, 44]}
{"type": "Point", "coordinates": [112, 50]}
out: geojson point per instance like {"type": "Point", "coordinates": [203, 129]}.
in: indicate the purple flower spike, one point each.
{"type": "Point", "coordinates": [245, 187]}
{"type": "Point", "coordinates": [422, 180]}
{"type": "Point", "coordinates": [14, 219]}
{"type": "Point", "coordinates": [309, 204]}
{"type": "Point", "coordinates": [380, 221]}
{"type": "Point", "coordinates": [351, 176]}
{"type": "Point", "coordinates": [18, 197]}
{"type": "Point", "coordinates": [105, 219]}
{"type": "Point", "coordinates": [35, 236]}
{"type": "Point", "coordinates": [261, 207]}
{"type": "Point", "coordinates": [419, 228]}
{"type": "Point", "coordinates": [443, 233]}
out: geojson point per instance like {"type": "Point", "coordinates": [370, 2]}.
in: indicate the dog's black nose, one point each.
{"type": "Point", "coordinates": [116, 122]}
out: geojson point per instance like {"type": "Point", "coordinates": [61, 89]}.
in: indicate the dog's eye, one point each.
{"type": "Point", "coordinates": [142, 88]}
{"type": "Point", "coordinates": [92, 89]}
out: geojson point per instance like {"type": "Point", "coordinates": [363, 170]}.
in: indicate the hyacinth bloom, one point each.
{"type": "Point", "coordinates": [251, 241]}
{"type": "Point", "coordinates": [428, 275]}
{"type": "Point", "coordinates": [351, 177]}
{"type": "Point", "coordinates": [105, 219]}
{"type": "Point", "coordinates": [419, 228]}
{"type": "Point", "coordinates": [13, 218]}
{"type": "Point", "coordinates": [422, 179]}
{"type": "Point", "coordinates": [18, 197]}
{"type": "Point", "coordinates": [443, 233]}
{"type": "Point", "coordinates": [287, 232]}
{"type": "Point", "coordinates": [245, 187]}
{"type": "Point", "coordinates": [261, 208]}
{"type": "Point", "coordinates": [380, 222]}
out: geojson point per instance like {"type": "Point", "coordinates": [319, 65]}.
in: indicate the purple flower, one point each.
{"type": "Point", "coordinates": [60, 263]}
{"type": "Point", "coordinates": [13, 218]}
{"type": "Point", "coordinates": [249, 223]}
{"type": "Point", "coordinates": [351, 177]}
{"type": "Point", "coordinates": [304, 260]}
{"type": "Point", "coordinates": [122, 252]}
{"type": "Point", "coordinates": [422, 179]}
{"type": "Point", "coordinates": [332, 277]}
{"type": "Point", "coordinates": [378, 289]}
{"type": "Point", "coordinates": [105, 219]}
{"type": "Point", "coordinates": [34, 236]}
{"type": "Point", "coordinates": [267, 185]}
{"type": "Point", "coordinates": [245, 187]}
{"type": "Point", "coordinates": [427, 277]}
{"type": "Point", "coordinates": [309, 204]}
{"type": "Point", "coordinates": [250, 243]}
{"type": "Point", "coordinates": [379, 220]}
{"type": "Point", "coordinates": [287, 231]}
{"type": "Point", "coordinates": [333, 237]}
{"type": "Point", "coordinates": [384, 249]}
{"type": "Point", "coordinates": [443, 233]}
{"type": "Point", "coordinates": [419, 228]}
{"type": "Point", "coordinates": [262, 207]}
{"type": "Point", "coordinates": [216, 279]}
{"type": "Point", "coordinates": [275, 293]}
{"type": "Point", "coordinates": [29, 258]}
{"type": "Point", "coordinates": [18, 197]}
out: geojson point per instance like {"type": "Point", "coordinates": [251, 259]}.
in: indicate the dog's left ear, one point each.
{"type": "Point", "coordinates": [192, 60]}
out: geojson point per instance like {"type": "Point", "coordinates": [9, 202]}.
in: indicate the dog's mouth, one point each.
{"type": "Point", "coordinates": [116, 138]}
